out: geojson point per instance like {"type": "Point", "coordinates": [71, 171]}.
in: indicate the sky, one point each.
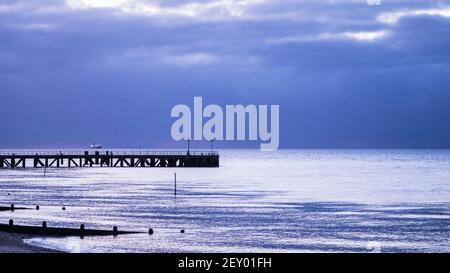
{"type": "Point", "coordinates": [345, 74]}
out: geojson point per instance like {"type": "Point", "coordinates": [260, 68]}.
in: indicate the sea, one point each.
{"type": "Point", "coordinates": [305, 200]}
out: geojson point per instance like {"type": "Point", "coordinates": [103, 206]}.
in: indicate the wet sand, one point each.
{"type": "Point", "coordinates": [13, 243]}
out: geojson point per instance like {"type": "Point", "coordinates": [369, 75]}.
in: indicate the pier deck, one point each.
{"type": "Point", "coordinates": [107, 158]}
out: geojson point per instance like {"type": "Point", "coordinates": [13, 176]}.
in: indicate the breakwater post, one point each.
{"type": "Point", "coordinates": [175, 186]}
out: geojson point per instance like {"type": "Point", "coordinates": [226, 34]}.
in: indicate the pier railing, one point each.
{"type": "Point", "coordinates": [124, 152]}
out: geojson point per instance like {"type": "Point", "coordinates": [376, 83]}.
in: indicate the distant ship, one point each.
{"type": "Point", "coordinates": [96, 146]}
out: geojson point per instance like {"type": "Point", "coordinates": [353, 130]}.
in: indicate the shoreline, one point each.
{"type": "Point", "coordinates": [13, 243]}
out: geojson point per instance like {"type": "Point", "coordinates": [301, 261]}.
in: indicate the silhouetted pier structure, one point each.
{"type": "Point", "coordinates": [44, 230]}
{"type": "Point", "coordinates": [107, 158]}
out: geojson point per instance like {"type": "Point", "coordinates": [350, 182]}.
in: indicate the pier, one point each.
{"type": "Point", "coordinates": [107, 158]}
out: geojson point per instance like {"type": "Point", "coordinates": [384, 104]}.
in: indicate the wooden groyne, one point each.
{"type": "Point", "coordinates": [107, 158]}
{"type": "Point", "coordinates": [11, 208]}
{"type": "Point", "coordinates": [44, 230]}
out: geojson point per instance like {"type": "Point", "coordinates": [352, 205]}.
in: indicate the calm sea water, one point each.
{"type": "Point", "coordinates": [288, 201]}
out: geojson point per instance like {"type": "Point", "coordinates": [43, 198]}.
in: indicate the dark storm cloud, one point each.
{"type": "Point", "coordinates": [342, 76]}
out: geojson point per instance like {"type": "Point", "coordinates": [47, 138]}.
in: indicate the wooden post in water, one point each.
{"type": "Point", "coordinates": [175, 184]}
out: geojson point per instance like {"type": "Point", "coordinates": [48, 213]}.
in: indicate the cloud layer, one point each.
{"type": "Point", "coordinates": [346, 74]}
